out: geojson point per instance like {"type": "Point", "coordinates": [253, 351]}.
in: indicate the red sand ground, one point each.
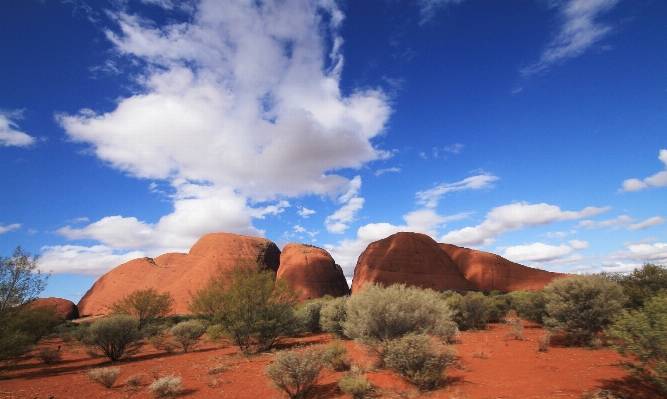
{"type": "Point", "coordinates": [489, 367]}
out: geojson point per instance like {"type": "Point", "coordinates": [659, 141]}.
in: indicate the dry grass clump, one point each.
{"type": "Point", "coordinates": [544, 342]}
{"type": "Point", "coordinates": [106, 376]}
{"type": "Point", "coordinates": [50, 355]}
{"type": "Point", "coordinates": [134, 380]}
{"type": "Point", "coordinates": [168, 385]}
{"type": "Point", "coordinates": [516, 328]}
{"type": "Point", "coordinates": [355, 384]}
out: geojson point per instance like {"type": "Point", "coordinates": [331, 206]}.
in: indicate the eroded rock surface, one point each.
{"type": "Point", "coordinates": [65, 309]}
{"type": "Point", "coordinates": [180, 274]}
{"type": "Point", "coordinates": [410, 258]}
{"type": "Point", "coordinates": [312, 271]}
{"type": "Point", "coordinates": [489, 272]}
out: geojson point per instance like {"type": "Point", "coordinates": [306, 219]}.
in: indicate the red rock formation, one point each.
{"type": "Point", "coordinates": [411, 258]}
{"type": "Point", "coordinates": [180, 274]}
{"type": "Point", "coordinates": [312, 271]}
{"type": "Point", "coordinates": [489, 272]}
{"type": "Point", "coordinates": [67, 310]}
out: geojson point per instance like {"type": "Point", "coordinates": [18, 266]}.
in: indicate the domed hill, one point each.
{"type": "Point", "coordinates": [410, 258]}
{"type": "Point", "coordinates": [490, 272]}
{"type": "Point", "coordinates": [312, 271]}
{"type": "Point", "coordinates": [179, 274]}
{"type": "Point", "coordinates": [65, 309]}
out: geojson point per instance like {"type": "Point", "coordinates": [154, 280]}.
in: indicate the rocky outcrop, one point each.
{"type": "Point", "coordinates": [488, 272]}
{"type": "Point", "coordinates": [312, 272]}
{"type": "Point", "coordinates": [64, 308]}
{"type": "Point", "coordinates": [181, 274]}
{"type": "Point", "coordinates": [410, 258]}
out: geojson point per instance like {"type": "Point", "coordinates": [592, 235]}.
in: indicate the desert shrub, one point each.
{"type": "Point", "coordinates": [499, 305]}
{"type": "Point", "coordinates": [115, 336]}
{"type": "Point", "coordinates": [379, 314]}
{"type": "Point", "coordinates": [25, 329]}
{"type": "Point", "coordinates": [529, 305]}
{"type": "Point", "coordinates": [335, 355]}
{"type": "Point", "coordinates": [134, 380]}
{"type": "Point", "coordinates": [187, 333]}
{"type": "Point", "coordinates": [355, 384]}
{"type": "Point", "coordinates": [418, 358]}
{"type": "Point", "coordinates": [296, 372]}
{"type": "Point", "coordinates": [642, 284]}
{"type": "Point", "coordinates": [168, 385]}
{"type": "Point", "coordinates": [333, 315]}
{"type": "Point", "coordinates": [641, 335]}
{"type": "Point", "coordinates": [582, 306]}
{"type": "Point", "coordinates": [254, 307]}
{"type": "Point", "coordinates": [308, 315]}
{"type": "Point", "coordinates": [50, 355]}
{"type": "Point", "coordinates": [215, 333]}
{"type": "Point", "coordinates": [516, 327]}
{"type": "Point", "coordinates": [146, 305]}
{"type": "Point", "coordinates": [544, 341]}
{"type": "Point", "coordinates": [470, 312]}
{"type": "Point", "coordinates": [104, 376]}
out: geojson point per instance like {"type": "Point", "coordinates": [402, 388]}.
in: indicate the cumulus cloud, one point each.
{"type": "Point", "coordinates": [536, 252]}
{"type": "Point", "coordinates": [430, 198]}
{"type": "Point", "coordinates": [10, 136]}
{"type": "Point", "coordinates": [619, 267]}
{"type": "Point", "coordinates": [580, 29]}
{"type": "Point", "coordinates": [622, 221]}
{"type": "Point", "coordinates": [8, 228]}
{"type": "Point", "coordinates": [657, 180]}
{"type": "Point", "coordinates": [92, 261]}
{"type": "Point", "coordinates": [239, 105]}
{"type": "Point", "coordinates": [654, 221]}
{"type": "Point", "coordinates": [514, 217]}
{"type": "Point", "coordinates": [644, 253]}
{"type": "Point", "coordinates": [305, 212]}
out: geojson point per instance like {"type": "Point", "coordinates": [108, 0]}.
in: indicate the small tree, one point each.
{"type": "Point", "coordinates": [471, 312]}
{"type": "Point", "coordinates": [20, 282]}
{"type": "Point", "coordinates": [115, 337]}
{"type": "Point", "coordinates": [529, 305]}
{"type": "Point", "coordinates": [146, 304]}
{"type": "Point", "coordinates": [642, 336]}
{"type": "Point", "coordinates": [187, 332]}
{"type": "Point", "coordinates": [254, 307]}
{"type": "Point", "coordinates": [642, 284]}
{"type": "Point", "coordinates": [333, 316]}
{"type": "Point", "coordinates": [582, 306]}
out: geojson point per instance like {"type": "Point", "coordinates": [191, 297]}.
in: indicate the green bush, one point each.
{"type": "Point", "coordinates": [187, 333]}
{"type": "Point", "coordinates": [355, 384]}
{"type": "Point", "coordinates": [335, 355]}
{"type": "Point", "coordinates": [308, 315]}
{"type": "Point", "coordinates": [529, 305]}
{"type": "Point", "coordinates": [641, 335]}
{"type": "Point", "coordinates": [379, 314]}
{"type": "Point", "coordinates": [582, 306]}
{"type": "Point", "coordinates": [146, 304]}
{"type": "Point", "coordinates": [116, 336]}
{"type": "Point", "coordinates": [418, 358]}
{"type": "Point", "coordinates": [333, 315]}
{"type": "Point", "coordinates": [471, 312]}
{"type": "Point", "coordinates": [296, 372]}
{"type": "Point", "coordinates": [254, 308]}
{"type": "Point", "coordinates": [499, 306]}
{"type": "Point", "coordinates": [642, 284]}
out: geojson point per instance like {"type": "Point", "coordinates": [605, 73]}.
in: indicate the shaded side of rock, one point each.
{"type": "Point", "coordinates": [413, 259]}
{"type": "Point", "coordinates": [65, 309]}
{"type": "Point", "coordinates": [312, 272]}
{"type": "Point", "coordinates": [490, 272]}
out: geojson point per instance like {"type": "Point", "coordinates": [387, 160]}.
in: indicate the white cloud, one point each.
{"type": "Point", "coordinates": [380, 172]}
{"type": "Point", "coordinates": [619, 267]}
{"type": "Point", "coordinates": [578, 244]}
{"type": "Point", "coordinates": [339, 221]}
{"type": "Point", "coordinates": [430, 198]}
{"type": "Point", "coordinates": [305, 212]}
{"type": "Point", "coordinates": [654, 221]}
{"type": "Point", "coordinates": [300, 229]}
{"type": "Point", "coordinates": [352, 190]}
{"type": "Point", "coordinates": [657, 180]}
{"type": "Point", "coordinates": [613, 224]}
{"type": "Point", "coordinates": [10, 136]}
{"type": "Point", "coordinates": [8, 228]}
{"type": "Point", "coordinates": [536, 252]}
{"type": "Point", "coordinates": [580, 30]}
{"type": "Point", "coordinates": [92, 261]}
{"type": "Point", "coordinates": [454, 148]}
{"type": "Point", "coordinates": [644, 253]}
{"type": "Point", "coordinates": [428, 8]}
{"type": "Point", "coordinates": [514, 217]}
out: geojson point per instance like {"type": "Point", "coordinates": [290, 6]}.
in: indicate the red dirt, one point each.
{"type": "Point", "coordinates": [489, 367]}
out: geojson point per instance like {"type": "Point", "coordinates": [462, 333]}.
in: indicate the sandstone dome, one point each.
{"type": "Point", "coordinates": [180, 274]}
{"type": "Point", "coordinates": [65, 309]}
{"type": "Point", "coordinates": [408, 258]}
{"type": "Point", "coordinates": [312, 272]}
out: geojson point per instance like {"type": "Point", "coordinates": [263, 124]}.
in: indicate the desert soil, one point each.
{"type": "Point", "coordinates": [488, 366]}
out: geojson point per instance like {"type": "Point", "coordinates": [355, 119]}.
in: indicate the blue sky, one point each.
{"type": "Point", "coordinates": [536, 130]}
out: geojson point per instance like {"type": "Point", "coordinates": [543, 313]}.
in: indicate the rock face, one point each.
{"type": "Point", "coordinates": [67, 310]}
{"type": "Point", "coordinates": [410, 258]}
{"type": "Point", "coordinates": [180, 274]}
{"type": "Point", "coordinates": [416, 259]}
{"type": "Point", "coordinates": [312, 271]}
{"type": "Point", "coordinates": [489, 272]}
